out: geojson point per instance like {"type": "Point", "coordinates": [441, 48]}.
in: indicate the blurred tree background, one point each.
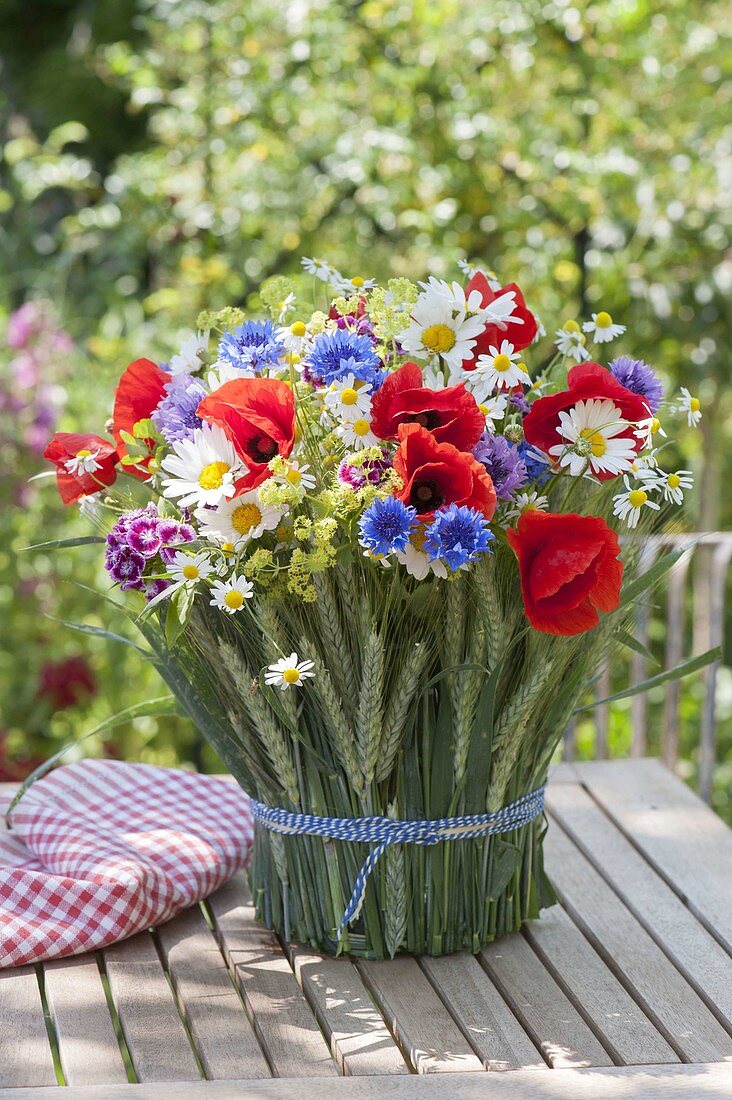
{"type": "Point", "coordinates": [164, 156]}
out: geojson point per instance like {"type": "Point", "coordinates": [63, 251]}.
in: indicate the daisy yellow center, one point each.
{"type": "Point", "coordinates": [190, 572]}
{"type": "Point", "coordinates": [419, 537]}
{"type": "Point", "coordinates": [695, 404]}
{"type": "Point", "coordinates": [227, 547]}
{"type": "Point", "coordinates": [245, 517]}
{"type": "Point", "coordinates": [483, 409]}
{"type": "Point", "coordinates": [571, 326]}
{"type": "Point", "coordinates": [212, 475]}
{"type": "Point", "coordinates": [234, 599]}
{"type": "Point", "coordinates": [673, 481]}
{"type": "Point", "coordinates": [357, 280]}
{"type": "Point", "coordinates": [637, 498]}
{"type": "Point", "coordinates": [603, 319]}
{"type": "Point", "coordinates": [349, 396]}
{"type": "Point", "coordinates": [294, 476]}
{"type": "Point", "coordinates": [83, 454]}
{"type": "Point", "coordinates": [295, 359]}
{"type": "Point", "coordinates": [291, 676]}
{"type": "Point", "coordinates": [655, 425]}
{"type": "Point", "coordinates": [502, 363]}
{"type": "Point", "coordinates": [361, 427]}
{"type": "Point", "coordinates": [596, 441]}
{"type": "Point", "coordinates": [298, 328]}
{"type": "Point", "coordinates": [438, 338]}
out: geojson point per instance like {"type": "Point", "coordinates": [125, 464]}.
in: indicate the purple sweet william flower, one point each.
{"type": "Point", "coordinates": [639, 378]}
{"type": "Point", "coordinates": [503, 462]}
{"type": "Point", "coordinates": [125, 567]}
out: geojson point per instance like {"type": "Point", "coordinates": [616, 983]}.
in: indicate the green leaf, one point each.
{"type": "Point", "coordinates": [99, 632]}
{"type": "Point", "coordinates": [630, 642]}
{"type": "Point", "coordinates": [684, 669]}
{"type": "Point", "coordinates": [151, 708]}
{"type": "Point", "coordinates": [56, 544]}
{"type": "Point", "coordinates": [179, 608]}
{"type": "Point", "coordinates": [653, 575]}
{"type": "Point", "coordinates": [507, 859]}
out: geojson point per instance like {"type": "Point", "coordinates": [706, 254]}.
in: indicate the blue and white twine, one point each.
{"type": "Point", "coordinates": [383, 832]}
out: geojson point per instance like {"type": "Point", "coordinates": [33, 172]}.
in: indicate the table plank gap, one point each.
{"type": "Point", "coordinates": [209, 1000]}
{"type": "Point", "coordinates": [281, 1016]}
{"type": "Point", "coordinates": [154, 1032]}
{"type": "Point", "coordinates": [553, 1023]}
{"type": "Point", "coordinates": [418, 1019]}
{"type": "Point", "coordinates": [481, 1013]}
{"type": "Point", "coordinates": [87, 1043]}
{"type": "Point", "coordinates": [703, 962]}
{"type": "Point", "coordinates": [26, 1057]}
{"type": "Point", "coordinates": [603, 1002]}
{"type": "Point", "coordinates": [679, 835]}
{"type": "Point", "coordinates": [638, 963]}
{"type": "Point", "coordinates": [360, 1041]}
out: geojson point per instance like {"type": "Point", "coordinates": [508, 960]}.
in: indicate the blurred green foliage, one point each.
{"type": "Point", "coordinates": [163, 156]}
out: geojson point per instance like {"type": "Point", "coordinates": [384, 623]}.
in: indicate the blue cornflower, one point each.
{"type": "Point", "coordinates": [537, 468]}
{"type": "Point", "coordinates": [503, 462]}
{"type": "Point", "coordinates": [458, 534]}
{"type": "Point", "coordinates": [252, 346]}
{"type": "Point", "coordinates": [175, 415]}
{"type": "Point", "coordinates": [639, 378]}
{"type": "Point", "coordinates": [386, 525]}
{"type": "Point", "coordinates": [340, 352]}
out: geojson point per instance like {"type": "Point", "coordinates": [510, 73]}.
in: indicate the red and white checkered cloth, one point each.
{"type": "Point", "coordinates": [100, 850]}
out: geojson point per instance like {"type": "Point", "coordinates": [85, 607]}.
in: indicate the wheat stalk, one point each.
{"type": "Point", "coordinates": [400, 706]}
{"type": "Point", "coordinates": [333, 637]}
{"type": "Point", "coordinates": [339, 728]}
{"type": "Point", "coordinates": [467, 703]}
{"type": "Point", "coordinates": [395, 922]}
{"type": "Point", "coordinates": [369, 714]}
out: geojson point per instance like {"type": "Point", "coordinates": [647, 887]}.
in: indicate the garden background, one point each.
{"type": "Point", "coordinates": [164, 156]}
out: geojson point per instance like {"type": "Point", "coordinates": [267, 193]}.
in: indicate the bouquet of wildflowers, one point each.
{"type": "Point", "coordinates": [374, 550]}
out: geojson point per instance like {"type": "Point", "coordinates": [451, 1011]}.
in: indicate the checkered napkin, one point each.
{"type": "Point", "coordinates": [100, 849]}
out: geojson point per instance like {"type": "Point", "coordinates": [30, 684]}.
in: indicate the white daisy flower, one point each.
{"type": "Point", "coordinates": [471, 269]}
{"type": "Point", "coordinates": [591, 429]}
{"type": "Point", "coordinates": [629, 504]}
{"type": "Point", "coordinates": [356, 285]}
{"type": "Point", "coordinates": [357, 433]}
{"type": "Point", "coordinates": [321, 269]}
{"type": "Point", "coordinates": [648, 428]}
{"type": "Point", "coordinates": [434, 378]}
{"type": "Point", "coordinates": [673, 485]}
{"type": "Point", "coordinates": [297, 475]}
{"type": "Point", "coordinates": [493, 409]}
{"type": "Point", "coordinates": [347, 398]}
{"type": "Point", "coordinates": [526, 502]}
{"type": "Point", "coordinates": [223, 372]}
{"type": "Point", "coordinates": [188, 360]}
{"type": "Point", "coordinates": [239, 520]}
{"type": "Point", "coordinates": [83, 462]}
{"type": "Point", "coordinates": [203, 469]}
{"type": "Point", "coordinates": [295, 337]}
{"type": "Point", "coordinates": [188, 569]}
{"type": "Point", "coordinates": [570, 341]}
{"type": "Point", "coordinates": [501, 368]}
{"type": "Point", "coordinates": [689, 405]}
{"type": "Point", "coordinates": [437, 330]}
{"type": "Point", "coordinates": [454, 294]}
{"type": "Point", "coordinates": [285, 306]}
{"type": "Point", "coordinates": [418, 564]}
{"type": "Point", "coordinates": [602, 328]}
{"type": "Point", "coordinates": [89, 507]}
{"type": "Point", "coordinates": [230, 595]}
{"type": "Point", "coordinates": [288, 672]}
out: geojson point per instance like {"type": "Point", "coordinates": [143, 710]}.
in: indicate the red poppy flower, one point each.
{"type": "Point", "coordinates": [451, 414]}
{"type": "Point", "coordinates": [436, 474]}
{"type": "Point", "coordinates": [587, 382]}
{"type": "Point", "coordinates": [139, 391]}
{"type": "Point", "coordinates": [258, 416]}
{"type": "Point", "coordinates": [520, 332]}
{"type": "Point", "coordinates": [569, 570]}
{"type": "Point", "coordinates": [81, 452]}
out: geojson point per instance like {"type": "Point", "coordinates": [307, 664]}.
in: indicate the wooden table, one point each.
{"type": "Point", "coordinates": [623, 990]}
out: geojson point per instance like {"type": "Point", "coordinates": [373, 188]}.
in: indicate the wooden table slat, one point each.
{"type": "Point", "coordinates": [682, 937]}
{"type": "Point", "coordinates": [636, 959]}
{"type": "Point", "coordinates": [683, 839]}
{"type": "Point", "coordinates": [496, 1035]}
{"type": "Point", "coordinates": [417, 1017]}
{"type": "Point", "coordinates": [361, 1043]}
{"type": "Point", "coordinates": [282, 1018]}
{"type": "Point", "coordinates": [551, 1020]}
{"type": "Point", "coordinates": [87, 1042]}
{"type": "Point", "coordinates": [25, 1052]}
{"type": "Point", "coordinates": [626, 1032]}
{"type": "Point", "coordinates": [152, 1027]}
{"type": "Point", "coordinates": [212, 1008]}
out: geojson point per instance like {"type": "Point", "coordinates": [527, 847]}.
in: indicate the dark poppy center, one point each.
{"type": "Point", "coordinates": [426, 495]}
{"type": "Point", "coordinates": [429, 419]}
{"type": "Point", "coordinates": [262, 448]}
